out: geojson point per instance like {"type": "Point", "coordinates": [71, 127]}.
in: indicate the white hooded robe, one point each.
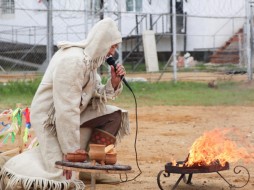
{"type": "Point", "coordinates": [69, 94]}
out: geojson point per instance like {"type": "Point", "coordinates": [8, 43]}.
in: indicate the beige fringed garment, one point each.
{"type": "Point", "coordinates": [70, 94]}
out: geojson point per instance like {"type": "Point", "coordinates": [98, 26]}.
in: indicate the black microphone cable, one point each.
{"type": "Point", "coordinates": [110, 60]}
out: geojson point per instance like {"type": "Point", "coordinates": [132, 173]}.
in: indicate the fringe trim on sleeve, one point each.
{"type": "Point", "coordinates": [98, 101]}
{"type": "Point", "coordinates": [10, 181]}
{"type": "Point", "coordinates": [51, 121]}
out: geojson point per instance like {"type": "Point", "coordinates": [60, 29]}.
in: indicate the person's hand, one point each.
{"type": "Point", "coordinates": [116, 74]}
{"type": "Point", "coordinates": [67, 173]}
{"type": "Point", "coordinates": [80, 151]}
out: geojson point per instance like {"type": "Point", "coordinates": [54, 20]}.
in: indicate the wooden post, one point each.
{"type": "Point", "coordinates": [93, 181]}
{"type": "Point", "coordinates": [20, 132]}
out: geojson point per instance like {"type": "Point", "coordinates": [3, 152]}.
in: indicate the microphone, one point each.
{"type": "Point", "coordinates": [111, 61]}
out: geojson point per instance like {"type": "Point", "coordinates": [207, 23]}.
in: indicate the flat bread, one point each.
{"type": "Point", "coordinates": [109, 148]}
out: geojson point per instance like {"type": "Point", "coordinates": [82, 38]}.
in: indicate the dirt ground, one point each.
{"type": "Point", "coordinates": [166, 133]}
{"type": "Point", "coordinates": [151, 77]}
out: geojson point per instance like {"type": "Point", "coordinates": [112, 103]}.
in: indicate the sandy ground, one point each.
{"type": "Point", "coordinates": [151, 77]}
{"type": "Point", "coordinates": [166, 133]}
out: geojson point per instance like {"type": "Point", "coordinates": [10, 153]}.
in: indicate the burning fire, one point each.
{"type": "Point", "coordinates": [215, 148]}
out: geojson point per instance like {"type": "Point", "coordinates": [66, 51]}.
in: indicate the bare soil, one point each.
{"type": "Point", "coordinates": [167, 132]}
{"type": "Point", "coordinates": [151, 77]}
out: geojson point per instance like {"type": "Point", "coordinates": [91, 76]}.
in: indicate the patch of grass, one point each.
{"type": "Point", "coordinates": [188, 94]}
{"type": "Point", "coordinates": [17, 92]}
{"type": "Point", "coordinates": [149, 94]}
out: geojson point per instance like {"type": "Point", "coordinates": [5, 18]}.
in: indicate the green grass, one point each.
{"type": "Point", "coordinates": [188, 94]}
{"type": "Point", "coordinates": [149, 94]}
{"type": "Point", "coordinates": [17, 92]}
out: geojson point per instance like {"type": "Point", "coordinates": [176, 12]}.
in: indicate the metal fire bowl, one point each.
{"type": "Point", "coordinates": [194, 169]}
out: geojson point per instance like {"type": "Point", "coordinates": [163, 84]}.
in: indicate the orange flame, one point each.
{"type": "Point", "coordinates": [213, 147]}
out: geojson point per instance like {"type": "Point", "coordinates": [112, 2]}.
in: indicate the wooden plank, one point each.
{"type": "Point", "coordinates": [7, 132]}
{"type": "Point", "coordinates": [15, 150]}
{"type": "Point", "coordinates": [93, 170]}
{"type": "Point", "coordinates": [90, 165]}
{"type": "Point", "coordinates": [6, 118]}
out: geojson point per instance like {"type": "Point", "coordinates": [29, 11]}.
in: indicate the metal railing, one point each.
{"type": "Point", "coordinates": [28, 42]}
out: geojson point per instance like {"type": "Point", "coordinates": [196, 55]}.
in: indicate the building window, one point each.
{"type": "Point", "coordinates": [138, 4]}
{"type": "Point", "coordinates": [134, 5]}
{"type": "Point", "coordinates": [8, 7]}
{"type": "Point", "coordinates": [179, 7]}
{"type": "Point", "coordinates": [95, 5]}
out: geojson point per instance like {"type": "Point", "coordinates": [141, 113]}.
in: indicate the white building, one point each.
{"type": "Point", "coordinates": [214, 20]}
{"type": "Point", "coordinates": [207, 24]}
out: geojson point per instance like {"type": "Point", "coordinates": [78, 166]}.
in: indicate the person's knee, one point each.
{"type": "Point", "coordinates": [118, 117]}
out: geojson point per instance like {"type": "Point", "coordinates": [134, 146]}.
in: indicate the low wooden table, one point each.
{"type": "Point", "coordinates": [94, 169]}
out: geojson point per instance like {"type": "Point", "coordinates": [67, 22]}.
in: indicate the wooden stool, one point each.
{"type": "Point", "coordinates": [93, 169]}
